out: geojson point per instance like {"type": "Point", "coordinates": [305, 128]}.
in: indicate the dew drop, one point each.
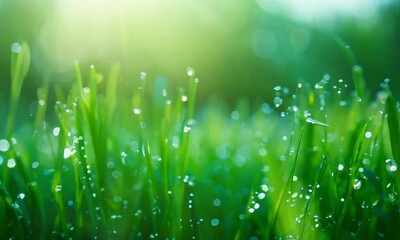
{"type": "Point", "coordinates": [21, 195]}
{"type": "Point", "coordinates": [67, 153]}
{"type": "Point", "coordinates": [184, 98]}
{"type": "Point", "coordinates": [35, 164]}
{"type": "Point", "coordinates": [217, 202]}
{"type": "Point", "coordinates": [137, 111]}
{"type": "Point", "coordinates": [11, 163]}
{"type": "Point", "coordinates": [58, 188]}
{"type": "Point", "coordinates": [340, 167]}
{"type": "Point", "coordinates": [315, 122]}
{"type": "Point", "coordinates": [190, 71]}
{"type": "Point", "coordinates": [368, 134]}
{"type": "Point", "coordinates": [262, 152]}
{"type": "Point", "coordinates": [143, 75]}
{"type": "Point", "coordinates": [261, 196]}
{"type": "Point", "coordinates": [278, 102]}
{"type": "Point", "coordinates": [214, 222]}
{"type": "Point", "coordinates": [391, 165]}
{"type": "Point", "coordinates": [264, 188]}
{"type": "Point", "coordinates": [16, 47]}
{"type": "Point", "coordinates": [357, 184]}
{"type": "Point", "coordinates": [4, 145]}
{"type": "Point", "coordinates": [56, 131]}
{"type": "Point", "coordinates": [277, 88]}
{"type": "Point", "coordinates": [186, 129]}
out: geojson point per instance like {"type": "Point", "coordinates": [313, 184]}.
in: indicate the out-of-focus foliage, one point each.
{"type": "Point", "coordinates": [233, 46]}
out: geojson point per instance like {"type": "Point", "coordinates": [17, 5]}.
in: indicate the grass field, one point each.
{"type": "Point", "coordinates": [319, 162]}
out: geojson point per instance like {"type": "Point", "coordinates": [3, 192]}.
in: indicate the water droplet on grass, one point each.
{"type": "Point", "coordinates": [116, 216]}
{"type": "Point", "coordinates": [264, 188]}
{"type": "Point", "coordinates": [143, 75]}
{"type": "Point", "coordinates": [35, 164]}
{"type": "Point", "coordinates": [56, 131]}
{"type": "Point", "coordinates": [391, 165]}
{"type": "Point", "coordinates": [340, 167]}
{"type": "Point", "coordinates": [262, 152]}
{"type": "Point", "coordinates": [21, 195]}
{"type": "Point", "coordinates": [357, 184]}
{"type": "Point", "coordinates": [278, 102]}
{"type": "Point", "coordinates": [217, 202]}
{"type": "Point", "coordinates": [137, 111]}
{"type": "Point", "coordinates": [16, 47]}
{"type": "Point", "coordinates": [190, 71]}
{"type": "Point", "coordinates": [58, 188]}
{"type": "Point", "coordinates": [368, 134]}
{"type": "Point", "coordinates": [4, 145]}
{"type": "Point", "coordinates": [11, 163]}
{"type": "Point", "coordinates": [184, 98]}
{"type": "Point", "coordinates": [315, 122]}
{"type": "Point", "coordinates": [186, 129]}
{"type": "Point", "coordinates": [67, 153]}
{"type": "Point", "coordinates": [214, 222]}
{"type": "Point", "coordinates": [261, 196]}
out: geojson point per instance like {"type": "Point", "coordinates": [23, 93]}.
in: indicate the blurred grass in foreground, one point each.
{"type": "Point", "coordinates": [113, 166]}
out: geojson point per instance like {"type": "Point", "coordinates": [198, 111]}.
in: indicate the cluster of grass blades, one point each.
{"type": "Point", "coordinates": [319, 163]}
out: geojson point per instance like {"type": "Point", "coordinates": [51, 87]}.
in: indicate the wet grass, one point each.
{"type": "Point", "coordinates": [320, 162]}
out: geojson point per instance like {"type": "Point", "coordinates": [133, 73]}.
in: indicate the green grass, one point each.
{"type": "Point", "coordinates": [321, 164]}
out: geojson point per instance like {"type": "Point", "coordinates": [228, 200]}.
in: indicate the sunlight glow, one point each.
{"type": "Point", "coordinates": [316, 10]}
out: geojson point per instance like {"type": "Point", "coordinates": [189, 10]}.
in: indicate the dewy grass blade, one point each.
{"type": "Point", "coordinates": [288, 184]}
{"type": "Point", "coordinates": [317, 183]}
{"type": "Point", "coordinates": [354, 162]}
{"type": "Point", "coordinates": [392, 111]}
{"type": "Point", "coordinates": [359, 81]}
{"type": "Point", "coordinates": [20, 61]}
{"type": "Point", "coordinates": [42, 105]}
{"type": "Point", "coordinates": [315, 122]}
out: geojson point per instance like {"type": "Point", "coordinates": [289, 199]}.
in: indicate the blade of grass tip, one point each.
{"type": "Point", "coordinates": [78, 75]}
{"type": "Point", "coordinates": [346, 49]}
{"type": "Point", "coordinates": [359, 81]}
{"type": "Point", "coordinates": [315, 122]}
{"type": "Point", "coordinates": [394, 131]}
{"type": "Point", "coordinates": [112, 83]}
{"type": "Point", "coordinates": [42, 105]}
{"type": "Point", "coordinates": [317, 183]}
{"type": "Point", "coordinates": [393, 124]}
{"type": "Point", "coordinates": [93, 106]}
{"type": "Point", "coordinates": [20, 61]}
{"type": "Point", "coordinates": [288, 184]}
{"type": "Point", "coordinates": [193, 82]}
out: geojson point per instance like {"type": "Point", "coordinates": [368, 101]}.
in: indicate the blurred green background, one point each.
{"type": "Point", "coordinates": [238, 48]}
